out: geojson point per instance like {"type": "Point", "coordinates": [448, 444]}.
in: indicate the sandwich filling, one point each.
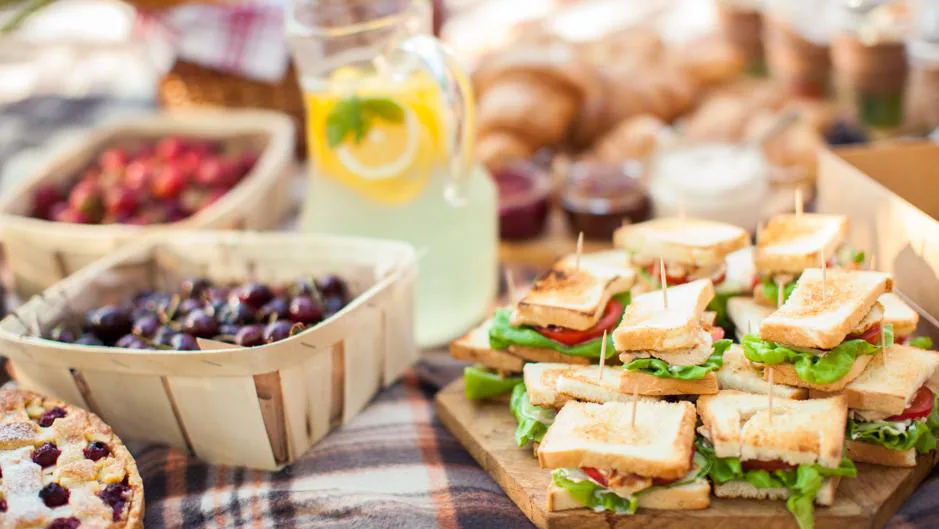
{"type": "Point", "coordinates": [686, 364]}
{"type": "Point", "coordinates": [587, 343]}
{"type": "Point", "coordinates": [766, 285]}
{"type": "Point", "coordinates": [802, 481]}
{"type": "Point", "coordinates": [533, 421]}
{"type": "Point", "coordinates": [619, 492]}
{"type": "Point", "coordinates": [483, 383]}
{"type": "Point", "coordinates": [917, 427]}
{"type": "Point", "coordinates": [820, 366]}
{"type": "Point", "coordinates": [677, 273]}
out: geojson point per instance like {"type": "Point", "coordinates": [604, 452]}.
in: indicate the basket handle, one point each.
{"type": "Point", "coordinates": [457, 93]}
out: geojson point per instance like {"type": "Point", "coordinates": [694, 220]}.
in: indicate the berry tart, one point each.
{"type": "Point", "coordinates": [63, 468]}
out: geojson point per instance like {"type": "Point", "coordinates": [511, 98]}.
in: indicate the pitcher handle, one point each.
{"type": "Point", "coordinates": [457, 93]}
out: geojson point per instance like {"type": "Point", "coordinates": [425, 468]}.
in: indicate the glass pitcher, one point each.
{"type": "Point", "coordinates": [390, 129]}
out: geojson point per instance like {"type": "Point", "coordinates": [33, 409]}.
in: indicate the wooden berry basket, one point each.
{"type": "Point", "coordinates": [41, 252]}
{"type": "Point", "coordinates": [260, 407]}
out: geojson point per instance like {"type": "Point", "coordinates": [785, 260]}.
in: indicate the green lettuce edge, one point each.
{"type": "Point", "coordinates": [533, 421]}
{"type": "Point", "coordinates": [662, 369]}
{"type": "Point", "coordinates": [920, 434]}
{"type": "Point", "coordinates": [921, 342]}
{"type": "Point", "coordinates": [812, 368]}
{"type": "Point", "coordinates": [502, 335]}
{"type": "Point", "coordinates": [481, 383]}
{"type": "Point", "coordinates": [770, 289]}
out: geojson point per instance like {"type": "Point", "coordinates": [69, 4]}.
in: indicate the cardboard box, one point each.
{"type": "Point", "coordinates": [890, 192]}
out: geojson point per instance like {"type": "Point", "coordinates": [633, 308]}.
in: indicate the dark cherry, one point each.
{"type": "Point", "coordinates": [89, 339]}
{"type": "Point", "coordinates": [62, 333]}
{"type": "Point", "coordinates": [49, 416]}
{"type": "Point", "coordinates": [303, 287]}
{"type": "Point", "coordinates": [237, 313]}
{"type": "Point", "coordinates": [279, 307]}
{"type": "Point", "coordinates": [334, 304]}
{"type": "Point", "coordinates": [46, 454]}
{"type": "Point", "coordinates": [303, 309]}
{"type": "Point", "coordinates": [131, 341]}
{"type": "Point", "coordinates": [331, 285]}
{"type": "Point", "coordinates": [195, 287]}
{"type": "Point", "coordinates": [250, 336]}
{"type": "Point", "coordinates": [213, 294]}
{"type": "Point", "coordinates": [185, 307]}
{"type": "Point", "coordinates": [163, 335]}
{"type": "Point", "coordinates": [3, 505]}
{"type": "Point", "coordinates": [276, 331]}
{"type": "Point", "coordinates": [158, 302]}
{"type": "Point", "coordinates": [146, 325]}
{"type": "Point", "coordinates": [255, 294]}
{"type": "Point", "coordinates": [109, 322]}
{"type": "Point", "coordinates": [114, 496]}
{"type": "Point", "coordinates": [199, 323]}
{"type": "Point", "coordinates": [65, 523]}
{"type": "Point", "coordinates": [96, 450]}
{"type": "Point", "coordinates": [54, 495]}
{"type": "Point", "coordinates": [183, 342]}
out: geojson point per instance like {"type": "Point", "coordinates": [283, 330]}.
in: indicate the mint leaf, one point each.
{"type": "Point", "coordinates": [336, 127]}
{"type": "Point", "coordinates": [383, 108]}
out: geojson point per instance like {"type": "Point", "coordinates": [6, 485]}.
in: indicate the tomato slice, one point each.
{"type": "Point", "coordinates": [670, 280]}
{"type": "Point", "coordinates": [609, 320]}
{"type": "Point", "coordinates": [595, 475]}
{"type": "Point", "coordinates": [920, 406]}
{"type": "Point", "coordinates": [717, 333]}
{"type": "Point", "coordinates": [769, 466]}
{"type": "Point", "coordinates": [871, 336]}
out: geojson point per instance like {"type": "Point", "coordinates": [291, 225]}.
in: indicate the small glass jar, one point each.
{"type": "Point", "coordinates": [524, 188]}
{"type": "Point", "coordinates": [600, 197]}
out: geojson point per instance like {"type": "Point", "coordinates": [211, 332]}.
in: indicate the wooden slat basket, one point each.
{"type": "Point", "coordinates": [41, 252]}
{"type": "Point", "coordinates": [260, 407]}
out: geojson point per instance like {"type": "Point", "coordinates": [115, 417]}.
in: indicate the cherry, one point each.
{"type": "Point", "coordinates": [146, 326]}
{"type": "Point", "coordinates": [185, 307]}
{"type": "Point", "coordinates": [189, 162]}
{"type": "Point", "coordinates": [332, 285]}
{"type": "Point", "coordinates": [114, 496]}
{"type": "Point", "coordinates": [169, 182]}
{"type": "Point", "coordinates": [183, 342]}
{"type": "Point", "coordinates": [247, 160]}
{"type": "Point", "coordinates": [164, 335]}
{"type": "Point", "coordinates": [304, 310]}
{"type": "Point", "coordinates": [216, 172]}
{"type": "Point", "coordinates": [54, 495]}
{"type": "Point", "coordinates": [3, 505]}
{"type": "Point", "coordinates": [45, 197]}
{"type": "Point", "coordinates": [203, 147]}
{"type": "Point", "coordinates": [68, 214]}
{"type": "Point", "coordinates": [170, 148]}
{"type": "Point", "coordinates": [228, 329]}
{"type": "Point", "coordinates": [275, 309]}
{"type": "Point", "coordinates": [303, 288]}
{"type": "Point", "coordinates": [138, 176]}
{"type": "Point", "coordinates": [255, 294]}
{"type": "Point", "coordinates": [131, 341]}
{"type": "Point", "coordinates": [109, 322]}
{"type": "Point", "coordinates": [250, 336]}
{"type": "Point", "coordinates": [277, 330]}
{"type": "Point", "coordinates": [334, 304]}
{"type": "Point", "coordinates": [88, 339]}
{"type": "Point", "coordinates": [87, 198]}
{"type": "Point", "coordinates": [62, 333]}
{"type": "Point", "coordinates": [239, 313]}
{"type": "Point", "coordinates": [49, 416]}
{"type": "Point", "coordinates": [113, 159]}
{"type": "Point", "coordinates": [96, 450]}
{"type": "Point", "coordinates": [214, 294]}
{"type": "Point", "coordinates": [65, 523]}
{"type": "Point", "coordinates": [46, 454]}
{"type": "Point", "coordinates": [199, 323]}
{"type": "Point", "coordinates": [121, 202]}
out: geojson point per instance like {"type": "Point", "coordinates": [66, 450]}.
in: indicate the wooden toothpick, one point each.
{"type": "Point", "coordinates": [769, 408]}
{"type": "Point", "coordinates": [798, 201]}
{"type": "Point", "coordinates": [602, 358]}
{"type": "Point", "coordinates": [664, 282]}
{"type": "Point", "coordinates": [580, 250]}
{"type": "Point", "coordinates": [780, 293]}
{"type": "Point", "coordinates": [632, 419]}
{"type": "Point", "coordinates": [883, 341]}
{"type": "Point", "coordinates": [824, 267]}
{"type": "Point", "coordinates": [509, 286]}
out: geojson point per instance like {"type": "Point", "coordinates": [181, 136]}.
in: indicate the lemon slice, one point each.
{"type": "Point", "coordinates": [386, 151]}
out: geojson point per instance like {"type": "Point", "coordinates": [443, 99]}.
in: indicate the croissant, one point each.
{"type": "Point", "coordinates": [710, 60]}
{"type": "Point", "coordinates": [633, 139]}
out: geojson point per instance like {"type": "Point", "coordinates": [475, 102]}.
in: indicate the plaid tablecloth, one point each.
{"type": "Point", "coordinates": [392, 467]}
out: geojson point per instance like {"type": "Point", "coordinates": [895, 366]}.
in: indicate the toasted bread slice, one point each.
{"type": "Point", "coordinates": [801, 431]}
{"type": "Point", "coordinates": [690, 496]}
{"type": "Point", "coordinates": [541, 383]}
{"type": "Point", "coordinates": [880, 455]}
{"type": "Point", "coordinates": [534, 354]}
{"type": "Point", "coordinates": [819, 314]}
{"type": "Point", "coordinates": [746, 314]}
{"type": "Point", "coordinates": [792, 243]}
{"type": "Point", "coordinates": [897, 313]}
{"type": "Point", "coordinates": [648, 326]}
{"type": "Point", "coordinates": [739, 374]}
{"type": "Point", "coordinates": [889, 382]}
{"type": "Point", "coordinates": [571, 297]}
{"type": "Point", "coordinates": [474, 347]}
{"type": "Point", "coordinates": [599, 435]}
{"type": "Point", "coordinates": [743, 489]}
{"type": "Point", "coordinates": [653, 386]}
{"type": "Point", "coordinates": [583, 384]}
{"type": "Point", "coordinates": [786, 374]}
{"type": "Point", "coordinates": [688, 241]}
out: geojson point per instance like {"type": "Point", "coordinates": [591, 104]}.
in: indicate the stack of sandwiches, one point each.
{"type": "Point", "coordinates": [674, 350]}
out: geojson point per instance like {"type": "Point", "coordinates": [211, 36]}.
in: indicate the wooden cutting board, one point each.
{"type": "Point", "coordinates": [487, 431]}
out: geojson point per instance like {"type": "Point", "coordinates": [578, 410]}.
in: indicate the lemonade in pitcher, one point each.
{"type": "Point", "coordinates": [390, 130]}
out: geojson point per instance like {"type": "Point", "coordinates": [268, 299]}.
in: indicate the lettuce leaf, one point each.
{"type": "Point", "coordinates": [502, 334]}
{"type": "Point", "coordinates": [803, 482]}
{"type": "Point", "coordinates": [481, 383]}
{"type": "Point", "coordinates": [812, 368]}
{"type": "Point", "coordinates": [718, 305]}
{"type": "Point", "coordinates": [771, 289]}
{"type": "Point", "coordinates": [594, 496]}
{"type": "Point", "coordinates": [662, 369]}
{"type": "Point", "coordinates": [533, 421]}
{"type": "Point", "coordinates": [920, 434]}
{"type": "Point", "coordinates": [922, 342]}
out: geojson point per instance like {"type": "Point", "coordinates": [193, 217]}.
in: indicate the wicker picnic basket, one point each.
{"type": "Point", "coordinates": [41, 252]}
{"type": "Point", "coordinates": [260, 407]}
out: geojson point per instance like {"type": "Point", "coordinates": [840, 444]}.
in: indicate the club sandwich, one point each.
{"type": "Point", "coordinates": [795, 455]}
{"type": "Point", "coordinates": [674, 350]}
{"type": "Point", "coordinates": [606, 460]}
{"type": "Point", "coordinates": [827, 332]}
{"type": "Point", "coordinates": [739, 374]}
